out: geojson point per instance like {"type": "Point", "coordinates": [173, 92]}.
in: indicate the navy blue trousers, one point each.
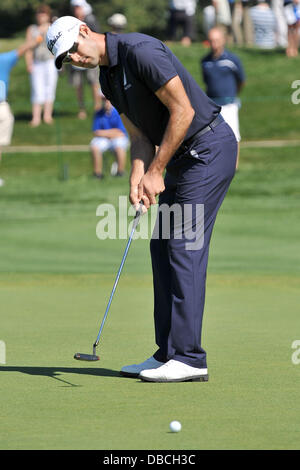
{"type": "Point", "coordinates": [200, 175]}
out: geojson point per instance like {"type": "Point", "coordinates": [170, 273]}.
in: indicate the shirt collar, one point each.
{"type": "Point", "coordinates": [112, 42]}
{"type": "Point", "coordinates": [222, 56]}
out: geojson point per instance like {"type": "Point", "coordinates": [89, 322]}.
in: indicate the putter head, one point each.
{"type": "Point", "coordinates": [86, 357]}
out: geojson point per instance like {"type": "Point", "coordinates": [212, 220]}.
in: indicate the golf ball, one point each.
{"type": "Point", "coordinates": [175, 426]}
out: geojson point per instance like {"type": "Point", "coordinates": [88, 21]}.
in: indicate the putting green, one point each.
{"type": "Point", "coordinates": [55, 280]}
{"type": "Point", "coordinates": [56, 277]}
{"type": "Point", "coordinates": [51, 401]}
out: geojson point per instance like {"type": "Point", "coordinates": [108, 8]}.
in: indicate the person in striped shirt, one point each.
{"type": "Point", "coordinates": [264, 25]}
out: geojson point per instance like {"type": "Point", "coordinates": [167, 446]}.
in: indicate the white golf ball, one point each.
{"type": "Point", "coordinates": [175, 426]}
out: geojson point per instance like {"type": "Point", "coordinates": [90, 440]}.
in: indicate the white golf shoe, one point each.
{"type": "Point", "coordinates": [174, 371]}
{"type": "Point", "coordinates": [134, 369]}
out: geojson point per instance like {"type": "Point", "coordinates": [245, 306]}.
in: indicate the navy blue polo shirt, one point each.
{"type": "Point", "coordinates": [138, 66]}
{"type": "Point", "coordinates": [222, 76]}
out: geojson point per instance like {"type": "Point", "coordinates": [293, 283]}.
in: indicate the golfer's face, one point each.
{"type": "Point", "coordinates": [86, 54]}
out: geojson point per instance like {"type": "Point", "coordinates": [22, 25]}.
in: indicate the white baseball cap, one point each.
{"type": "Point", "coordinates": [61, 36]}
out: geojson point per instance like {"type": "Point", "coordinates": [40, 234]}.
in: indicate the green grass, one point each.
{"type": "Point", "coordinates": [56, 277]}
{"type": "Point", "coordinates": [42, 217]}
{"type": "Point", "coordinates": [49, 401]}
{"type": "Point", "coordinates": [55, 280]}
{"type": "Point", "coordinates": [267, 111]}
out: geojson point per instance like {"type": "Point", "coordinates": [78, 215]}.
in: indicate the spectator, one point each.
{"type": "Point", "coordinates": [117, 22]}
{"type": "Point", "coordinates": [223, 15]}
{"type": "Point", "coordinates": [224, 77]}
{"type": "Point", "coordinates": [7, 62]}
{"type": "Point", "coordinates": [83, 11]}
{"type": "Point", "coordinates": [292, 14]}
{"type": "Point", "coordinates": [209, 18]}
{"type": "Point", "coordinates": [217, 13]}
{"type": "Point", "coordinates": [109, 134]}
{"type": "Point", "coordinates": [241, 23]}
{"type": "Point", "coordinates": [40, 66]}
{"type": "Point", "coordinates": [278, 10]}
{"type": "Point", "coordinates": [264, 25]}
{"type": "Point", "coordinates": [182, 14]}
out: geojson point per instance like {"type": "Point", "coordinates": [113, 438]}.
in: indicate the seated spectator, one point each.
{"type": "Point", "coordinates": [7, 61]}
{"type": "Point", "coordinates": [117, 22]}
{"type": "Point", "coordinates": [264, 25]}
{"type": "Point", "coordinates": [110, 134]}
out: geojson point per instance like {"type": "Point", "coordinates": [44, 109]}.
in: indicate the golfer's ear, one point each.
{"type": "Point", "coordinates": [84, 30]}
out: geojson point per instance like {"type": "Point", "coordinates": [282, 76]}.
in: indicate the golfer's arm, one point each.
{"type": "Point", "coordinates": [142, 151]}
{"type": "Point", "coordinates": [174, 97]}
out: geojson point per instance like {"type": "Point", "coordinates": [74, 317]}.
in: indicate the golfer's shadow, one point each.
{"type": "Point", "coordinates": [54, 372]}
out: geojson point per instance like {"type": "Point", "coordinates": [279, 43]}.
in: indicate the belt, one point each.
{"type": "Point", "coordinates": [185, 145]}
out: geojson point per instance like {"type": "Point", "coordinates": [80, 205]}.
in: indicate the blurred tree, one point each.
{"type": "Point", "coordinates": [146, 16]}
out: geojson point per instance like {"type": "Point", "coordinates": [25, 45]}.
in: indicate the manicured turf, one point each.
{"type": "Point", "coordinates": [51, 401]}
{"type": "Point", "coordinates": [55, 280]}
{"type": "Point", "coordinates": [56, 277]}
{"type": "Point", "coordinates": [267, 110]}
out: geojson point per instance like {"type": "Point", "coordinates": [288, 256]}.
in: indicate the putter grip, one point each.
{"type": "Point", "coordinates": [137, 216]}
{"type": "Point", "coordinates": [140, 209]}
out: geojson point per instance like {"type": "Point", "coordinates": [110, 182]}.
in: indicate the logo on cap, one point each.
{"type": "Point", "coordinates": [53, 41]}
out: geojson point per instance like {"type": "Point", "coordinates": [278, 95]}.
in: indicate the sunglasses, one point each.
{"type": "Point", "coordinates": [67, 58]}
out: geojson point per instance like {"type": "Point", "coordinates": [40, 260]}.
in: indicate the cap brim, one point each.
{"type": "Point", "coordinates": [58, 61]}
{"type": "Point", "coordinates": [59, 56]}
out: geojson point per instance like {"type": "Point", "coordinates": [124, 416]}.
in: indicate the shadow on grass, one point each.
{"type": "Point", "coordinates": [26, 116]}
{"type": "Point", "coordinates": [54, 372]}
{"type": "Point", "coordinates": [23, 116]}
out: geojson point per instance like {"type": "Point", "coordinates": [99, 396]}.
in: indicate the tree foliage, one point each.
{"type": "Point", "coordinates": [147, 16]}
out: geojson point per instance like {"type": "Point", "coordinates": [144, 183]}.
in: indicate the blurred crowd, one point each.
{"type": "Point", "coordinates": [263, 23]}
{"type": "Point", "coordinates": [252, 23]}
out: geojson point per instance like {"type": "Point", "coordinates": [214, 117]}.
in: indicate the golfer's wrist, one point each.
{"type": "Point", "coordinates": [137, 172]}
{"type": "Point", "coordinates": [156, 169]}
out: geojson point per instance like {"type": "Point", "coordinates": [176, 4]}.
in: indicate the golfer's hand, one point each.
{"type": "Point", "coordinates": [134, 197]}
{"type": "Point", "coordinates": [150, 186]}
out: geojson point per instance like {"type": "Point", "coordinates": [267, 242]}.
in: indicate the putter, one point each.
{"type": "Point", "coordinates": [94, 357]}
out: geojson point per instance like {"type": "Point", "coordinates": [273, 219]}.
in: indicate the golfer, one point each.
{"type": "Point", "coordinates": [175, 127]}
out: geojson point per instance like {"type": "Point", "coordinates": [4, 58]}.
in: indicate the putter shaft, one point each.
{"type": "Point", "coordinates": [134, 225]}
